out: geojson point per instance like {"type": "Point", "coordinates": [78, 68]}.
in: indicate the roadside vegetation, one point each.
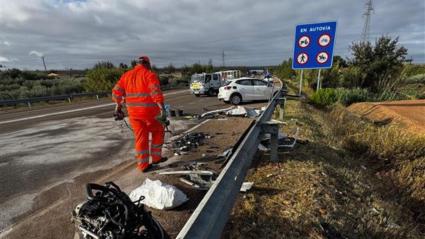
{"type": "Point", "coordinates": [17, 84]}
{"type": "Point", "coordinates": [375, 72]}
{"type": "Point", "coordinates": [20, 84]}
{"type": "Point", "coordinates": [347, 177]}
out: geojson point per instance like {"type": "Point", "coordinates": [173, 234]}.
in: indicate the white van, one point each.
{"type": "Point", "coordinates": [205, 84]}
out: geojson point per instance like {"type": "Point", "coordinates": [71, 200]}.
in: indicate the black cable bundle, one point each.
{"type": "Point", "coordinates": [109, 213]}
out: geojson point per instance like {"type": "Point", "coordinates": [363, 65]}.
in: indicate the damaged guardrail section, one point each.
{"type": "Point", "coordinates": [211, 215]}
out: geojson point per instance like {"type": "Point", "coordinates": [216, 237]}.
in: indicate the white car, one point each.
{"type": "Point", "coordinates": [246, 89]}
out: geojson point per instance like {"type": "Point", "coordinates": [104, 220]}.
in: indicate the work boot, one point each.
{"type": "Point", "coordinates": [144, 169]}
{"type": "Point", "coordinates": [163, 159]}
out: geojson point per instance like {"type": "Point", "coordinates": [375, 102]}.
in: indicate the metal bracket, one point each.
{"type": "Point", "coordinates": [272, 127]}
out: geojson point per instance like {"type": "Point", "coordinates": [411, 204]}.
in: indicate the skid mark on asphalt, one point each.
{"type": "Point", "coordinates": [54, 151]}
{"type": "Point", "coordinates": [55, 142]}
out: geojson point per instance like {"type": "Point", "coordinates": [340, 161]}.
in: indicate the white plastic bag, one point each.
{"type": "Point", "coordinates": [159, 195]}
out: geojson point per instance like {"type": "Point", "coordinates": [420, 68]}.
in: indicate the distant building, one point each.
{"type": "Point", "coordinates": [53, 75]}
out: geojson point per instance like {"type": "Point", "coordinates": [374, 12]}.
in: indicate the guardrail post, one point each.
{"type": "Point", "coordinates": [29, 104]}
{"type": "Point", "coordinates": [69, 100]}
{"type": "Point", "coordinates": [97, 97]}
{"type": "Point", "coordinates": [272, 128]}
{"type": "Point", "coordinates": [282, 102]}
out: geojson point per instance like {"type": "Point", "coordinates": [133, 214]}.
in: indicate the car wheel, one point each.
{"type": "Point", "coordinates": [236, 99]}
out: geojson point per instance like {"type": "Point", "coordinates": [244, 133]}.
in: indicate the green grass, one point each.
{"type": "Point", "coordinates": [337, 183]}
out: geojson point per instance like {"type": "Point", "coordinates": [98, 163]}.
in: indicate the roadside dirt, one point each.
{"type": "Point", "coordinates": [410, 114]}
{"type": "Point", "coordinates": [51, 211]}
{"type": "Point", "coordinates": [318, 190]}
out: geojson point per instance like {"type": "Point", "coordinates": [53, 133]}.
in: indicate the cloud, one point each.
{"type": "Point", "coordinates": [77, 34]}
{"type": "Point", "coordinates": [36, 53]}
{"type": "Point", "coordinates": [4, 59]}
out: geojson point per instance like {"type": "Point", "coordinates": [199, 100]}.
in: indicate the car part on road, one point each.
{"type": "Point", "coordinates": [195, 175]}
{"type": "Point", "coordinates": [226, 154]}
{"type": "Point", "coordinates": [109, 213]}
{"type": "Point", "coordinates": [198, 179]}
{"type": "Point", "coordinates": [179, 113]}
{"type": "Point", "coordinates": [215, 112]}
{"type": "Point", "coordinates": [188, 142]}
{"type": "Point", "coordinates": [234, 111]}
{"type": "Point", "coordinates": [244, 112]}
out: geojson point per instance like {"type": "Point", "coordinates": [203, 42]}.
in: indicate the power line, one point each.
{"type": "Point", "coordinates": [367, 15]}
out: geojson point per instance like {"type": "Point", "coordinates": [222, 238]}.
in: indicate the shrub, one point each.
{"type": "Point", "coordinates": [324, 97]}
{"type": "Point", "coordinates": [350, 96]}
{"type": "Point", "coordinates": [380, 64]}
{"type": "Point", "coordinates": [414, 69]}
{"type": "Point", "coordinates": [419, 78]}
{"type": "Point", "coordinates": [102, 78]}
{"type": "Point", "coordinates": [284, 70]}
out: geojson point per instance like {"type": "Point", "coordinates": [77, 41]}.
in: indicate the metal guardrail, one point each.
{"type": "Point", "coordinates": [210, 217]}
{"type": "Point", "coordinates": [29, 101]}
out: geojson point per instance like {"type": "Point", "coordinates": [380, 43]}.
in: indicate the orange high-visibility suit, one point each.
{"type": "Point", "coordinates": [141, 91]}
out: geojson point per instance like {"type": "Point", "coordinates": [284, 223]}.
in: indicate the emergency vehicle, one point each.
{"type": "Point", "coordinates": [205, 84]}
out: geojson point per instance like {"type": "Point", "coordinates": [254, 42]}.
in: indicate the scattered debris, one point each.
{"type": "Point", "coordinates": [109, 213]}
{"type": "Point", "coordinates": [214, 113]}
{"type": "Point", "coordinates": [244, 112]}
{"type": "Point", "coordinates": [195, 176]}
{"type": "Point", "coordinates": [226, 154]}
{"type": "Point", "coordinates": [238, 111]}
{"type": "Point", "coordinates": [159, 195]}
{"type": "Point", "coordinates": [284, 140]}
{"type": "Point", "coordinates": [188, 142]}
{"type": "Point", "coordinates": [262, 148]}
{"type": "Point", "coordinates": [201, 180]}
{"type": "Point", "coordinates": [246, 186]}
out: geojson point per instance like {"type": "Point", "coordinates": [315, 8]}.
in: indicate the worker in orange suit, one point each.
{"type": "Point", "coordinates": [140, 90]}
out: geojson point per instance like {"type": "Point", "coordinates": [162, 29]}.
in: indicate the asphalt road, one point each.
{"type": "Point", "coordinates": [48, 146]}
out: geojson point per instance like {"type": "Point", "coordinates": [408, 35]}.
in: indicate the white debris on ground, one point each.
{"type": "Point", "coordinates": [262, 148]}
{"type": "Point", "coordinates": [246, 186]}
{"type": "Point", "coordinates": [158, 195]}
{"type": "Point", "coordinates": [237, 111]}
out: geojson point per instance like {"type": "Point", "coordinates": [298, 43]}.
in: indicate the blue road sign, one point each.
{"type": "Point", "coordinates": [314, 44]}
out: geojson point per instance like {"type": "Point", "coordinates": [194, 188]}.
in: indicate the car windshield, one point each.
{"type": "Point", "coordinates": [197, 78]}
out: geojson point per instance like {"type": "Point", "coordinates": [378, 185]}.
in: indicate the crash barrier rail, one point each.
{"type": "Point", "coordinates": [210, 217]}
{"type": "Point", "coordinates": [69, 97]}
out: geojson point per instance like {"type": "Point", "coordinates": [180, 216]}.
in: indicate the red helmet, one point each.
{"type": "Point", "coordinates": [144, 59]}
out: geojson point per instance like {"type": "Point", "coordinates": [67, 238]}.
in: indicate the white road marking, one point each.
{"type": "Point", "coordinates": [74, 110]}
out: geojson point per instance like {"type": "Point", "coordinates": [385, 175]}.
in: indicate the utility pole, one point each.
{"type": "Point", "coordinates": [44, 63]}
{"type": "Point", "coordinates": [366, 27]}
{"type": "Point", "coordinates": [222, 57]}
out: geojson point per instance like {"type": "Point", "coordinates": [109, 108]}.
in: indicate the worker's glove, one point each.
{"type": "Point", "coordinates": [118, 113]}
{"type": "Point", "coordinates": [162, 118]}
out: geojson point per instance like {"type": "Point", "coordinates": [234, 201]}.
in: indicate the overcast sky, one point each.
{"type": "Point", "coordinates": [77, 34]}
